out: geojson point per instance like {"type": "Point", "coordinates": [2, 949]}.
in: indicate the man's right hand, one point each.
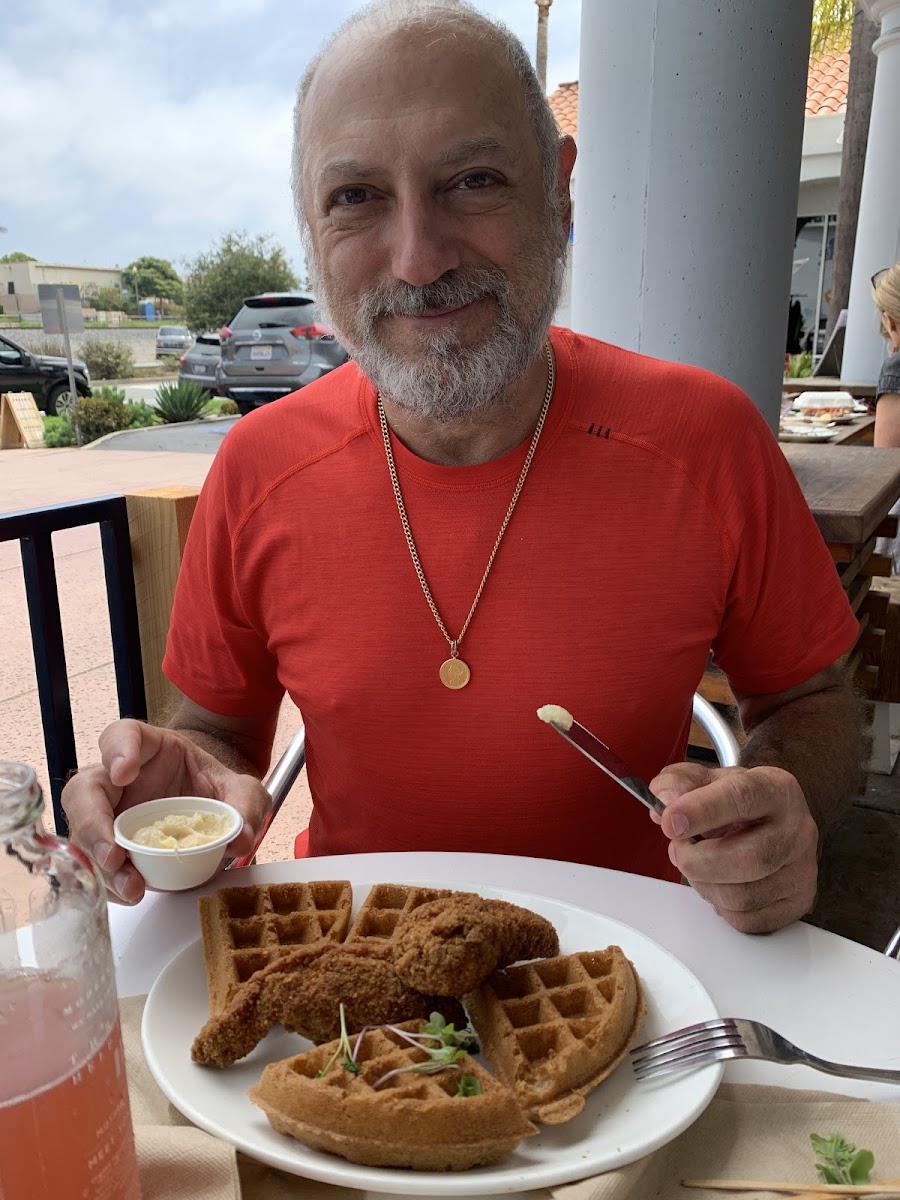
{"type": "Point", "coordinates": [144, 762]}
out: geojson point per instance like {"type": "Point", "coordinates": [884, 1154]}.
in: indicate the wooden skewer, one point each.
{"type": "Point", "coordinates": [889, 1187]}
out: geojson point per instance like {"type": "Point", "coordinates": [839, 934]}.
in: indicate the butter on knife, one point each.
{"type": "Point", "coordinates": [555, 714]}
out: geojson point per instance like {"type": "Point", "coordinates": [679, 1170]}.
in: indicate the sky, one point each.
{"type": "Point", "coordinates": [152, 128]}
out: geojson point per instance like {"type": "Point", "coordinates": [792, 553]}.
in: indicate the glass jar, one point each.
{"type": "Point", "coordinates": [65, 1122]}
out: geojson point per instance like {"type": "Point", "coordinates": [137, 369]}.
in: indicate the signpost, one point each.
{"type": "Point", "coordinates": [61, 313]}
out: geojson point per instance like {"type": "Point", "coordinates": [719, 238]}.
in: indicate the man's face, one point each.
{"type": "Point", "coordinates": [434, 247]}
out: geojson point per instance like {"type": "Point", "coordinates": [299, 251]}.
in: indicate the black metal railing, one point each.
{"type": "Point", "coordinates": [34, 528]}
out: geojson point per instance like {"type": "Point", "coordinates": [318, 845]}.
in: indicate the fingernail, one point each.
{"type": "Point", "coordinates": [122, 882]}
{"type": "Point", "coordinates": [672, 854]}
{"type": "Point", "coordinates": [102, 851]}
{"type": "Point", "coordinates": [113, 766]}
{"type": "Point", "coordinates": [667, 797]}
{"type": "Point", "coordinates": [679, 824]}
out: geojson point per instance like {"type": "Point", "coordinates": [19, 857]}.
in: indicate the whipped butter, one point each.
{"type": "Point", "coordinates": [555, 714]}
{"type": "Point", "coordinates": [183, 831]}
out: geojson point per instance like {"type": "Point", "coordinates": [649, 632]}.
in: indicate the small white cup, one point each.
{"type": "Point", "coordinates": [175, 870]}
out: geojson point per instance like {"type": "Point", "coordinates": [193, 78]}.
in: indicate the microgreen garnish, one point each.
{"type": "Point", "coordinates": [468, 1086]}
{"type": "Point", "coordinates": [448, 1035]}
{"type": "Point", "coordinates": [841, 1162]}
{"type": "Point", "coordinates": [348, 1061]}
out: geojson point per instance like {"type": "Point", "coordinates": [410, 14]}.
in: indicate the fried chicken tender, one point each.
{"type": "Point", "coordinates": [303, 991]}
{"type": "Point", "coordinates": [450, 946]}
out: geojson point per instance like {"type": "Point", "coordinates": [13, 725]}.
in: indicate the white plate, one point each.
{"type": "Point", "coordinates": [621, 1121]}
{"type": "Point", "coordinates": [800, 434]}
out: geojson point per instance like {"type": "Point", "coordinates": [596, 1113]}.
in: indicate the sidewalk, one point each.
{"type": "Point", "coordinates": [35, 478]}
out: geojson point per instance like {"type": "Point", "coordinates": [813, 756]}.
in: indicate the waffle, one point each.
{"type": "Point", "coordinates": [413, 1120]}
{"type": "Point", "coordinates": [385, 904]}
{"type": "Point", "coordinates": [554, 1028]}
{"type": "Point", "coordinates": [247, 928]}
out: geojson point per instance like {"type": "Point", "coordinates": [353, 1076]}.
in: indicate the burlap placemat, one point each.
{"type": "Point", "coordinates": [747, 1133]}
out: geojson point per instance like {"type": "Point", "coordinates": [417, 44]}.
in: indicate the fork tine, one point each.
{"type": "Point", "coordinates": [701, 1044]}
{"type": "Point", "coordinates": [684, 1061]}
{"type": "Point", "coordinates": [719, 1023]}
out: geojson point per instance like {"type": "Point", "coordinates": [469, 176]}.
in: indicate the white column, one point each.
{"type": "Point", "coordinates": [878, 231]}
{"type": "Point", "coordinates": [690, 132]}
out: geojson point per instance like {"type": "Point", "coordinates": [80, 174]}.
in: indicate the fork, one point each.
{"type": "Point", "coordinates": [735, 1037]}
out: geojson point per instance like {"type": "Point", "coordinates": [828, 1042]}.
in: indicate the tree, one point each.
{"type": "Point", "coordinates": [17, 256]}
{"type": "Point", "coordinates": [235, 267]}
{"type": "Point", "coordinates": [154, 277]}
{"type": "Point", "coordinates": [838, 24]}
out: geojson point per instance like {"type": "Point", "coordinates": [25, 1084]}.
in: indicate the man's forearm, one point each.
{"type": "Point", "coordinates": [819, 738]}
{"type": "Point", "coordinates": [222, 748]}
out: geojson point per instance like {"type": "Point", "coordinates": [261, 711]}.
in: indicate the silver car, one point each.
{"type": "Point", "coordinates": [172, 339]}
{"type": "Point", "coordinates": [199, 364]}
{"type": "Point", "coordinates": [275, 344]}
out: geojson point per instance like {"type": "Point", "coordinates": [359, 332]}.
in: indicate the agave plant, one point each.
{"type": "Point", "coordinates": [182, 401]}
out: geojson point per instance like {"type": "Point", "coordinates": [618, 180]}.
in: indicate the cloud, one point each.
{"type": "Point", "coordinates": [151, 130]}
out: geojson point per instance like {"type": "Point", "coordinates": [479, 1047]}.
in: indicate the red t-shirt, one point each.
{"type": "Point", "coordinates": [659, 520]}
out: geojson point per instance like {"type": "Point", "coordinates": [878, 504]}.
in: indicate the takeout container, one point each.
{"type": "Point", "coordinates": [175, 870]}
{"type": "Point", "coordinates": [826, 400]}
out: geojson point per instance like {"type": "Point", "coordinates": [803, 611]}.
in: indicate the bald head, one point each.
{"type": "Point", "coordinates": [367, 34]}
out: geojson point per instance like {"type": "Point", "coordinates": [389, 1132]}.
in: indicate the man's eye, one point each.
{"type": "Point", "coordinates": [476, 180]}
{"type": "Point", "coordinates": [350, 196]}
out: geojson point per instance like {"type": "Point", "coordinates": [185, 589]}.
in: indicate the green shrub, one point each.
{"type": "Point", "coordinates": [799, 366]}
{"type": "Point", "coordinates": [182, 401]}
{"type": "Point", "coordinates": [48, 345]}
{"type": "Point", "coordinates": [143, 415]}
{"type": "Point", "coordinates": [107, 359]}
{"type": "Point", "coordinates": [113, 394]}
{"type": "Point", "coordinates": [228, 408]}
{"type": "Point", "coordinates": [59, 431]}
{"type": "Point", "coordinates": [100, 414]}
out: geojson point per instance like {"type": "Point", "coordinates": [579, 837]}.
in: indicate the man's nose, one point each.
{"type": "Point", "coordinates": [422, 245]}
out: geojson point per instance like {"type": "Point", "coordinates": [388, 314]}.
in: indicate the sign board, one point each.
{"type": "Point", "coordinates": [20, 422]}
{"type": "Point", "coordinates": [71, 298]}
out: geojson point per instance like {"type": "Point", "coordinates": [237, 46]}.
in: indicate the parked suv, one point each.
{"type": "Point", "coordinates": [199, 364]}
{"type": "Point", "coordinates": [172, 339]}
{"type": "Point", "coordinates": [275, 344]}
{"type": "Point", "coordinates": [44, 375]}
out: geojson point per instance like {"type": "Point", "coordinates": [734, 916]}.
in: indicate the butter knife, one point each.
{"type": "Point", "coordinates": [600, 755]}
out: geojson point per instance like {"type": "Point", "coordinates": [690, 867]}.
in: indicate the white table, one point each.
{"type": "Point", "coordinates": [832, 996]}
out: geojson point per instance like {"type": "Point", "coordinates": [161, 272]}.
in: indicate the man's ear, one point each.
{"type": "Point", "coordinates": [567, 155]}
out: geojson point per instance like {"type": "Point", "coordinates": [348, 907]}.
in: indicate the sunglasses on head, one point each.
{"type": "Point", "coordinates": [878, 275]}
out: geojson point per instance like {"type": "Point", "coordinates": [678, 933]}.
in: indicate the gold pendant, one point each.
{"type": "Point", "coordinates": [455, 674]}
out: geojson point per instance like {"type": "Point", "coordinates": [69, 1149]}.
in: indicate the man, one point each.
{"type": "Point", "coordinates": [449, 531]}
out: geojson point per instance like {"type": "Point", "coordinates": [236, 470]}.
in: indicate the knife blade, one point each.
{"type": "Point", "coordinates": [602, 756]}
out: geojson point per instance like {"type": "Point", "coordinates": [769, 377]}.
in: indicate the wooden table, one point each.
{"type": "Point", "coordinates": [828, 383]}
{"type": "Point", "coordinates": [859, 431]}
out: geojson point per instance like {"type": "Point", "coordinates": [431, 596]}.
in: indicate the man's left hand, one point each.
{"type": "Point", "coordinates": [757, 862]}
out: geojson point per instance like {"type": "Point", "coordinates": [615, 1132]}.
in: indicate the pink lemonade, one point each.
{"type": "Point", "coordinates": [65, 1123]}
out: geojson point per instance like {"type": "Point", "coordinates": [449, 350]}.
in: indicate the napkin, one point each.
{"type": "Point", "coordinates": [747, 1132]}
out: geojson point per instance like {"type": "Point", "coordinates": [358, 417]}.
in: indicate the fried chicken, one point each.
{"type": "Point", "coordinates": [450, 945]}
{"type": "Point", "coordinates": [303, 991]}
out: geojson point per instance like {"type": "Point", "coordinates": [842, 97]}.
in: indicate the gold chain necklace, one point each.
{"type": "Point", "coordinates": [454, 672]}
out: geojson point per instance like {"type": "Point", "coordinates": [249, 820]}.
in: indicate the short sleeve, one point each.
{"type": "Point", "coordinates": [214, 653]}
{"type": "Point", "coordinates": [889, 378]}
{"type": "Point", "coordinates": [787, 616]}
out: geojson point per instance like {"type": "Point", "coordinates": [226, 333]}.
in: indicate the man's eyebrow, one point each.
{"type": "Point", "coordinates": [344, 169]}
{"type": "Point", "coordinates": [472, 148]}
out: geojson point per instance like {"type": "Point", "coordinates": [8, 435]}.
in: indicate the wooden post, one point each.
{"type": "Point", "coordinates": [158, 520]}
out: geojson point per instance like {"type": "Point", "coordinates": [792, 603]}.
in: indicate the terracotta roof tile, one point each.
{"type": "Point", "coordinates": [826, 92]}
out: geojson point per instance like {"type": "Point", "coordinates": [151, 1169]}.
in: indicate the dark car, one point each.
{"type": "Point", "coordinates": [198, 365]}
{"type": "Point", "coordinates": [275, 344]}
{"type": "Point", "coordinates": [44, 375]}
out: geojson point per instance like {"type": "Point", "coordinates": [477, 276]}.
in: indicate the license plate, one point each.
{"type": "Point", "coordinates": [260, 352]}
{"type": "Point", "coordinates": [200, 369]}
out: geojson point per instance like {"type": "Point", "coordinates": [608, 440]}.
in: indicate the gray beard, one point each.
{"type": "Point", "coordinates": [450, 381]}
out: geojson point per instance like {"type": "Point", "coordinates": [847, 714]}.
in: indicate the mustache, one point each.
{"type": "Point", "coordinates": [452, 290]}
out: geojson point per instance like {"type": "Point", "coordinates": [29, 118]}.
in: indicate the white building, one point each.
{"type": "Point", "coordinates": [826, 103]}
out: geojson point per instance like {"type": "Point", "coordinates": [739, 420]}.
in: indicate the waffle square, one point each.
{"type": "Point", "coordinates": [246, 928]}
{"type": "Point", "coordinates": [554, 1028]}
{"type": "Point", "coordinates": [412, 1120]}
{"type": "Point", "coordinates": [386, 903]}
